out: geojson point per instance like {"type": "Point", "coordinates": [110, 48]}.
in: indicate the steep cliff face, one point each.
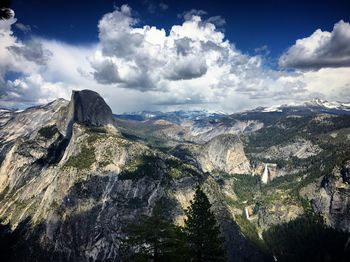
{"type": "Point", "coordinates": [85, 107]}
{"type": "Point", "coordinates": [224, 153]}
{"type": "Point", "coordinates": [297, 145]}
{"type": "Point", "coordinates": [74, 177]}
{"type": "Point", "coordinates": [78, 204]}
{"type": "Point", "coordinates": [29, 121]}
{"type": "Point", "coordinates": [5, 116]}
{"type": "Point", "coordinates": [76, 182]}
{"type": "Point", "coordinates": [330, 197]}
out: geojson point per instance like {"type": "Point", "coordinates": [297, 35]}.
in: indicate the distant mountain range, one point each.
{"type": "Point", "coordinates": [314, 105]}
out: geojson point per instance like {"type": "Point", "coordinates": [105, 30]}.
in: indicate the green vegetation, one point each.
{"type": "Point", "coordinates": [104, 163]}
{"type": "Point", "coordinates": [250, 231]}
{"type": "Point", "coordinates": [285, 129]}
{"type": "Point", "coordinates": [107, 158]}
{"type": "Point", "coordinates": [145, 165]}
{"type": "Point", "coordinates": [246, 186]}
{"type": "Point", "coordinates": [177, 168]}
{"type": "Point", "coordinates": [86, 157]}
{"type": "Point", "coordinates": [148, 165]}
{"type": "Point", "coordinates": [48, 132]}
{"type": "Point", "coordinates": [83, 160]}
{"type": "Point", "coordinates": [335, 150]}
{"type": "Point", "coordinates": [307, 238]}
{"type": "Point", "coordinates": [202, 231]}
{"type": "Point", "coordinates": [95, 133]}
{"type": "Point", "coordinates": [93, 138]}
{"type": "Point", "coordinates": [157, 239]}
{"type": "Point", "coordinates": [250, 192]}
{"type": "Point", "coordinates": [153, 238]}
{"type": "Point", "coordinates": [285, 189]}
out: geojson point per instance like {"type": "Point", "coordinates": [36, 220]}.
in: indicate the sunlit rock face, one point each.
{"type": "Point", "coordinates": [73, 178]}
{"type": "Point", "coordinates": [70, 178]}
{"type": "Point", "coordinates": [224, 153]}
{"type": "Point", "coordinates": [17, 124]}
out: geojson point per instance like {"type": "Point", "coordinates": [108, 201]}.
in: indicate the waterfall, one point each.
{"type": "Point", "coordinates": [265, 176]}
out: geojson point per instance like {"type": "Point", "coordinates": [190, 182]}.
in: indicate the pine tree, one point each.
{"type": "Point", "coordinates": [153, 238]}
{"type": "Point", "coordinates": [203, 234]}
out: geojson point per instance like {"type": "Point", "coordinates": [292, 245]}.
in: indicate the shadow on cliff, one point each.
{"type": "Point", "coordinates": [87, 224]}
{"type": "Point", "coordinates": [97, 207]}
{"type": "Point", "coordinates": [307, 238]}
{"type": "Point", "coordinates": [22, 243]}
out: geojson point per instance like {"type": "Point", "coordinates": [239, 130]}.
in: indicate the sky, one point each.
{"type": "Point", "coordinates": [176, 55]}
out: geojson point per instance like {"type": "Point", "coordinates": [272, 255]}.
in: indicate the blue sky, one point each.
{"type": "Point", "coordinates": [169, 55]}
{"type": "Point", "coordinates": [249, 24]}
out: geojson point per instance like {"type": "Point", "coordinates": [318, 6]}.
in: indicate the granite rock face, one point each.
{"type": "Point", "coordinates": [224, 153]}
{"type": "Point", "coordinates": [89, 108]}
{"type": "Point", "coordinates": [330, 197]}
{"type": "Point", "coordinates": [275, 214]}
{"type": "Point", "coordinates": [28, 122]}
{"type": "Point", "coordinates": [86, 107]}
{"type": "Point", "coordinates": [76, 183]}
{"type": "Point", "coordinates": [75, 179]}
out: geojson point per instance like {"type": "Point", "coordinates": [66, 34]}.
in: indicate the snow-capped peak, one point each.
{"type": "Point", "coordinates": [315, 103]}
{"type": "Point", "coordinates": [326, 104]}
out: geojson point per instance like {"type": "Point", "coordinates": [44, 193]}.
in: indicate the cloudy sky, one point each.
{"type": "Point", "coordinates": [165, 55]}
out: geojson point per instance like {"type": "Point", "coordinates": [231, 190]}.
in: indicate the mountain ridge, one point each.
{"type": "Point", "coordinates": [78, 189]}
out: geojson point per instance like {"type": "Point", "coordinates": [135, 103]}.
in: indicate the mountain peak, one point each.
{"type": "Point", "coordinates": [89, 108]}
{"type": "Point", "coordinates": [85, 107]}
{"type": "Point", "coordinates": [311, 105]}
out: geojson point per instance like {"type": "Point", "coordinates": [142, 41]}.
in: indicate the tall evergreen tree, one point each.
{"type": "Point", "coordinates": [153, 238]}
{"type": "Point", "coordinates": [203, 234]}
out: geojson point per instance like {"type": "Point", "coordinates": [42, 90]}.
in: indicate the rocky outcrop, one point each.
{"type": "Point", "coordinates": [299, 148]}
{"type": "Point", "coordinates": [203, 134]}
{"type": "Point", "coordinates": [197, 129]}
{"type": "Point", "coordinates": [5, 116]}
{"type": "Point", "coordinates": [235, 240]}
{"type": "Point", "coordinates": [76, 183]}
{"type": "Point", "coordinates": [30, 121]}
{"type": "Point", "coordinates": [78, 206]}
{"type": "Point", "coordinates": [224, 153]}
{"type": "Point", "coordinates": [330, 197]}
{"type": "Point", "coordinates": [277, 213]}
{"type": "Point", "coordinates": [85, 107]}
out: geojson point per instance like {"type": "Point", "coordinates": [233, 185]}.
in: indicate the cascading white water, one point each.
{"type": "Point", "coordinates": [265, 176]}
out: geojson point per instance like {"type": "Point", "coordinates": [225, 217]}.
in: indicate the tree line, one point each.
{"type": "Point", "coordinates": [154, 238]}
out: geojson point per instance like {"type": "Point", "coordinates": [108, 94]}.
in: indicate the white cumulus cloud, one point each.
{"type": "Point", "coordinates": [190, 66]}
{"type": "Point", "coordinates": [321, 49]}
